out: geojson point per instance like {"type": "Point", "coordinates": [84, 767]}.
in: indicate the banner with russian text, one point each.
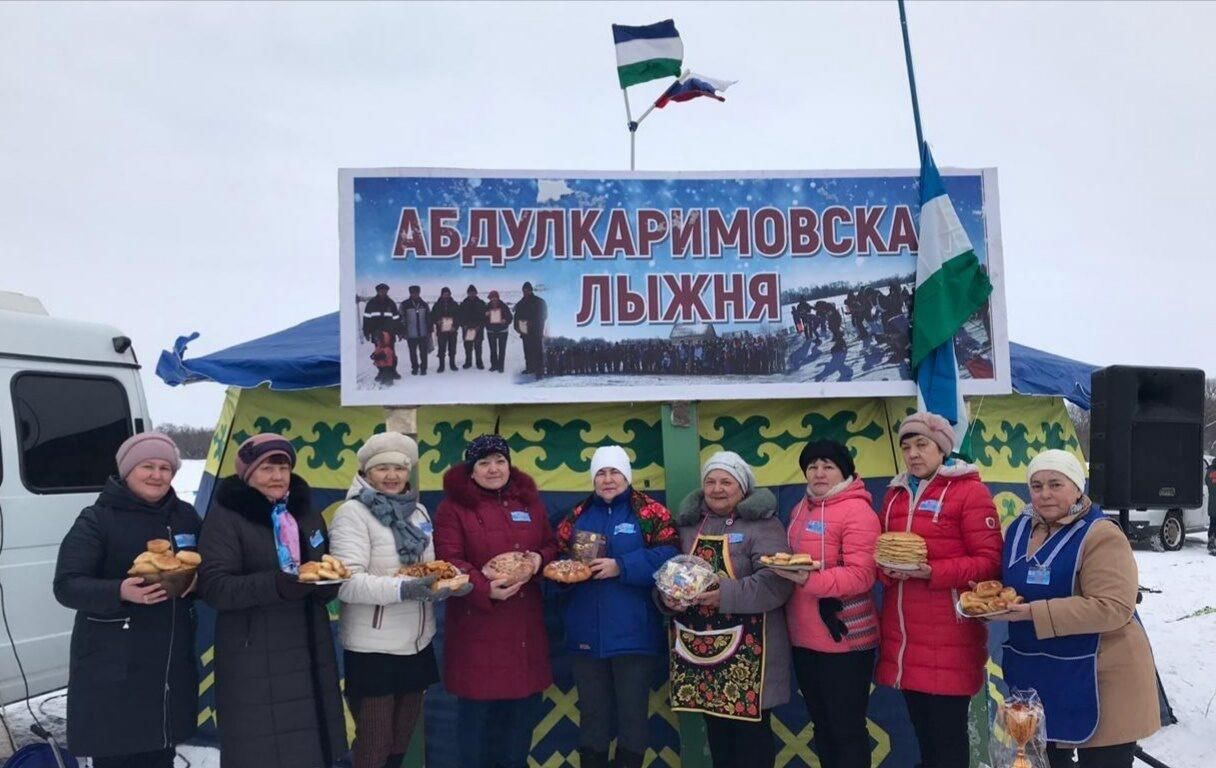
{"type": "Point", "coordinates": [492, 287]}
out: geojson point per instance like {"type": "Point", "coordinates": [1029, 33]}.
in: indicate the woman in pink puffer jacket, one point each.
{"type": "Point", "coordinates": [833, 623]}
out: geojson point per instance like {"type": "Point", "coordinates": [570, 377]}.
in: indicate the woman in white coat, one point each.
{"type": "Point", "coordinates": [387, 621]}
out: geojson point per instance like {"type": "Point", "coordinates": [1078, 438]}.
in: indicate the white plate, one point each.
{"type": "Point", "coordinates": [958, 608]}
{"type": "Point", "coordinates": [898, 567]}
{"type": "Point", "coordinates": [780, 567]}
{"type": "Point", "coordinates": [326, 581]}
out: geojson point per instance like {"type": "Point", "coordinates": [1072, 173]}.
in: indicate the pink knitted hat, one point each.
{"type": "Point", "coordinates": [930, 425]}
{"type": "Point", "coordinates": [144, 446]}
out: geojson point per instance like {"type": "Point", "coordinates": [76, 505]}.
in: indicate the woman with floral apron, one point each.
{"type": "Point", "coordinates": [730, 654]}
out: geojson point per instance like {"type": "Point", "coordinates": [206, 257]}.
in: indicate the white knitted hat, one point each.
{"type": "Point", "coordinates": [1061, 461]}
{"type": "Point", "coordinates": [611, 456]}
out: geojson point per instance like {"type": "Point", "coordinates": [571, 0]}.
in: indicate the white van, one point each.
{"type": "Point", "coordinates": [69, 395]}
{"type": "Point", "coordinates": [1165, 530]}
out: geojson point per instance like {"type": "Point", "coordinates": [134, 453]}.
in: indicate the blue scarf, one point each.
{"type": "Point", "coordinates": [394, 510]}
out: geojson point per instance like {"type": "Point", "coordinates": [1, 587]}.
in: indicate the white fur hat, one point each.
{"type": "Point", "coordinates": [388, 448]}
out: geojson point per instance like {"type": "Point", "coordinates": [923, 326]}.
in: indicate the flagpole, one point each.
{"type": "Point", "coordinates": [903, 24]}
{"type": "Point", "coordinates": [633, 128]}
{"type": "Point", "coordinates": [647, 112]}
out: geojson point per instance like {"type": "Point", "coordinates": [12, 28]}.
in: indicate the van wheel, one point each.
{"type": "Point", "coordinates": [1172, 535]}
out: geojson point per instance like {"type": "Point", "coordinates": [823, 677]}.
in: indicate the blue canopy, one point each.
{"type": "Point", "coordinates": [305, 356]}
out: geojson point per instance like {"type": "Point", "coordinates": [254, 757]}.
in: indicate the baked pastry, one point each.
{"type": "Point", "coordinates": [165, 561]}
{"type": "Point", "coordinates": [988, 589]}
{"type": "Point", "coordinates": [156, 546]}
{"type": "Point", "coordinates": [440, 568]}
{"type": "Point", "coordinates": [988, 597]}
{"type": "Point", "coordinates": [901, 548]}
{"type": "Point", "coordinates": [785, 559]}
{"type": "Point", "coordinates": [142, 569]}
{"type": "Point", "coordinates": [567, 571]}
{"type": "Point", "coordinates": [513, 566]}
{"type": "Point", "coordinates": [187, 558]}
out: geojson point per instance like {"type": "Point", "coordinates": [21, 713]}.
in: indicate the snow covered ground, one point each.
{"type": "Point", "coordinates": [1180, 619]}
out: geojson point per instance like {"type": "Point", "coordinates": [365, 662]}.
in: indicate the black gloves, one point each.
{"type": "Point", "coordinates": [829, 611]}
{"type": "Point", "coordinates": [291, 588]}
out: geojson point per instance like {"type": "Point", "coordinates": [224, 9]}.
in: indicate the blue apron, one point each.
{"type": "Point", "coordinates": [1063, 670]}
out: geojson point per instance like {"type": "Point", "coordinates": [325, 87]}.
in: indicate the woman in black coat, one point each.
{"type": "Point", "coordinates": [133, 680]}
{"type": "Point", "coordinates": [276, 675]}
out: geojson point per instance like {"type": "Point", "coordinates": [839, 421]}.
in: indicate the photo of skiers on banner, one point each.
{"type": "Point", "coordinates": [519, 287]}
{"type": "Point", "coordinates": [859, 334]}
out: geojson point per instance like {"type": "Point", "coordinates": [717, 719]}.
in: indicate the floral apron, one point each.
{"type": "Point", "coordinates": [717, 659]}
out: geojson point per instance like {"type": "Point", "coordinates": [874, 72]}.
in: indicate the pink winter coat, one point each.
{"type": "Point", "coordinates": [838, 531]}
{"type": "Point", "coordinates": [925, 646]}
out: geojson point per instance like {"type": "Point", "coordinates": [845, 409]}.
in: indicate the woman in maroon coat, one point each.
{"type": "Point", "coordinates": [496, 654]}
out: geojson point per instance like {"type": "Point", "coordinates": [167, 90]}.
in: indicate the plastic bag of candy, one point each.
{"type": "Point", "coordinates": [683, 578]}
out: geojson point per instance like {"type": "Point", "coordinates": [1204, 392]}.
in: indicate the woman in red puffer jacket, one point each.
{"type": "Point", "coordinates": [934, 657]}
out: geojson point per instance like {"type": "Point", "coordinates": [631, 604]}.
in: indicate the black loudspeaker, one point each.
{"type": "Point", "coordinates": [1146, 437]}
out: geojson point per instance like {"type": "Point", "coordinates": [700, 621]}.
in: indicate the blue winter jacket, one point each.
{"type": "Point", "coordinates": [615, 617]}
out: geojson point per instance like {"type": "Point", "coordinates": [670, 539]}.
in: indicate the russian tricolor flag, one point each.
{"type": "Point", "coordinates": [690, 86]}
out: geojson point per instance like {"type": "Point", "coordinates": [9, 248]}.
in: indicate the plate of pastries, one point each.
{"type": "Point", "coordinates": [567, 571]}
{"type": "Point", "coordinates": [513, 566]}
{"type": "Point", "coordinates": [446, 574]}
{"type": "Point", "coordinates": [901, 551]}
{"type": "Point", "coordinates": [989, 598]}
{"type": "Point", "coordinates": [328, 570]}
{"type": "Point", "coordinates": [785, 561]}
{"type": "Point", "coordinates": [159, 564]}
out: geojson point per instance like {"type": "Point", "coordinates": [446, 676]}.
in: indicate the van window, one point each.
{"type": "Point", "coordinates": [69, 428]}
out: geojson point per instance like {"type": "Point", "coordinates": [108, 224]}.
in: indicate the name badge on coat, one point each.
{"type": "Point", "coordinates": [816, 526]}
{"type": "Point", "coordinates": [625, 528]}
{"type": "Point", "coordinates": [520, 516]}
{"type": "Point", "coordinates": [1038, 575]}
{"type": "Point", "coordinates": [183, 540]}
{"type": "Point", "coordinates": [427, 528]}
{"type": "Point", "coordinates": [316, 539]}
{"type": "Point", "coordinates": [734, 538]}
{"type": "Point", "coordinates": [930, 505]}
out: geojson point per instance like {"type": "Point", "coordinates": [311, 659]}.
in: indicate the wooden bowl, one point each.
{"type": "Point", "coordinates": [173, 582]}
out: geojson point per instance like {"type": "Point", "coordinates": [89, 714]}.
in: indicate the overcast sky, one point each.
{"type": "Point", "coordinates": [172, 168]}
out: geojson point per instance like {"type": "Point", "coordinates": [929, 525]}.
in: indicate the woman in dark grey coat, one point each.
{"type": "Point", "coordinates": [276, 674]}
{"type": "Point", "coordinates": [133, 681]}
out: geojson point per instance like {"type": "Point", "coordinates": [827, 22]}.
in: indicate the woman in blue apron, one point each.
{"type": "Point", "coordinates": [1077, 640]}
{"type": "Point", "coordinates": [730, 654]}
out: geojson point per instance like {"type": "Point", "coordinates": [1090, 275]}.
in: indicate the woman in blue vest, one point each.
{"type": "Point", "coordinates": [1077, 640]}
{"type": "Point", "coordinates": [613, 629]}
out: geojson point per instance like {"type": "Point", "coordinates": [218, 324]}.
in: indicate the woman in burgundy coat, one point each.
{"type": "Point", "coordinates": [496, 654]}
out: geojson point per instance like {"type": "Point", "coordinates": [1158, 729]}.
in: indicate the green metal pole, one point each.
{"type": "Point", "coordinates": [682, 466]}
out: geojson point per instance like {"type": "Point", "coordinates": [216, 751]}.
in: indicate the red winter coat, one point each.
{"type": "Point", "coordinates": [925, 646]}
{"type": "Point", "coordinates": [493, 649]}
